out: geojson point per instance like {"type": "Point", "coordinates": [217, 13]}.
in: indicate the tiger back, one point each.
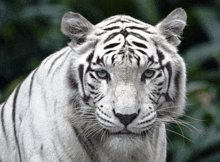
{"type": "Point", "coordinates": [105, 97]}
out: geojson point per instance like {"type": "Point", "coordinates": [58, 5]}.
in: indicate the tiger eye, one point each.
{"type": "Point", "coordinates": [102, 74]}
{"type": "Point", "coordinates": [149, 73]}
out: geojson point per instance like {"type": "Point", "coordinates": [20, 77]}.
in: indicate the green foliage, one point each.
{"type": "Point", "coordinates": [30, 31]}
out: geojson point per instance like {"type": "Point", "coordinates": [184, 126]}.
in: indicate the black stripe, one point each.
{"type": "Point", "coordinates": [54, 62]}
{"type": "Point", "coordinates": [107, 121]}
{"type": "Point", "coordinates": [111, 36]}
{"type": "Point", "coordinates": [169, 69]}
{"type": "Point", "coordinates": [138, 36]}
{"type": "Point", "coordinates": [141, 51]}
{"type": "Point", "coordinates": [138, 28]}
{"type": "Point", "coordinates": [152, 94]}
{"type": "Point", "coordinates": [160, 83]}
{"type": "Point", "coordinates": [153, 100]}
{"type": "Point", "coordinates": [156, 93]}
{"type": "Point", "coordinates": [111, 45]}
{"type": "Point", "coordinates": [138, 59]}
{"type": "Point", "coordinates": [109, 52]}
{"type": "Point", "coordinates": [31, 84]}
{"type": "Point", "coordinates": [113, 59]}
{"type": "Point", "coordinates": [91, 86]}
{"type": "Point", "coordinates": [47, 59]}
{"type": "Point", "coordinates": [81, 71]}
{"type": "Point", "coordinates": [150, 59]}
{"type": "Point", "coordinates": [142, 29]}
{"type": "Point", "coordinates": [72, 81]}
{"type": "Point", "coordinates": [177, 81]}
{"type": "Point", "coordinates": [3, 121]}
{"type": "Point", "coordinates": [100, 97]}
{"type": "Point", "coordinates": [59, 66]}
{"type": "Point", "coordinates": [99, 94]}
{"type": "Point", "coordinates": [141, 45]}
{"type": "Point", "coordinates": [167, 97]}
{"type": "Point", "coordinates": [99, 34]}
{"type": "Point", "coordinates": [159, 75]}
{"type": "Point", "coordinates": [94, 93]}
{"type": "Point", "coordinates": [160, 56]}
{"type": "Point", "coordinates": [89, 58]}
{"type": "Point", "coordinates": [87, 144]}
{"type": "Point", "coordinates": [146, 121]}
{"type": "Point", "coordinates": [112, 28]}
{"type": "Point", "coordinates": [118, 20]}
{"type": "Point", "coordinates": [130, 50]}
{"type": "Point", "coordinates": [100, 61]}
{"type": "Point", "coordinates": [13, 118]}
{"type": "Point", "coordinates": [92, 76]}
{"type": "Point", "coordinates": [148, 32]}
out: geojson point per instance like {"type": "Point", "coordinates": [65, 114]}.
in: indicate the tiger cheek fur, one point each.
{"type": "Point", "coordinates": [104, 98]}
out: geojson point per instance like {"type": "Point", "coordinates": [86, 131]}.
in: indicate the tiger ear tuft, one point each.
{"type": "Point", "coordinates": [75, 27]}
{"type": "Point", "coordinates": [172, 26]}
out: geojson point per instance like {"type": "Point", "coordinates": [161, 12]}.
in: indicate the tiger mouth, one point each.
{"type": "Point", "coordinates": [126, 132]}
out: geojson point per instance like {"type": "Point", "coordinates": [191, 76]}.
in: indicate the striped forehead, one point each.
{"type": "Point", "coordinates": [125, 40]}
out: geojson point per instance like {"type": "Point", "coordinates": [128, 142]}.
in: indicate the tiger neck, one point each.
{"type": "Point", "coordinates": [87, 144]}
{"type": "Point", "coordinates": [152, 148]}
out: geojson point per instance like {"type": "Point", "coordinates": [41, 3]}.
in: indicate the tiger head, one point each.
{"type": "Point", "coordinates": [128, 73]}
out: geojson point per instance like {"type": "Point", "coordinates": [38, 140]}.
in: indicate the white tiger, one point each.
{"type": "Point", "coordinates": [104, 98]}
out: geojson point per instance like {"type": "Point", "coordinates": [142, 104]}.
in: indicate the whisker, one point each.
{"type": "Point", "coordinates": [180, 128]}
{"type": "Point", "coordinates": [189, 126]}
{"type": "Point", "coordinates": [163, 110]}
{"type": "Point", "coordinates": [104, 134]}
{"type": "Point", "coordinates": [180, 135]}
{"type": "Point", "coordinates": [183, 123]}
{"type": "Point", "coordinates": [91, 129]}
{"type": "Point", "coordinates": [94, 131]}
{"type": "Point", "coordinates": [170, 141]}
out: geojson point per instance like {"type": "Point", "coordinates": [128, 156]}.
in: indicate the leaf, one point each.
{"type": "Point", "coordinates": [147, 10]}
{"type": "Point", "coordinates": [197, 55]}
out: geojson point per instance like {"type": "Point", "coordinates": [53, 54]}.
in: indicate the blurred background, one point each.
{"type": "Point", "coordinates": [30, 31]}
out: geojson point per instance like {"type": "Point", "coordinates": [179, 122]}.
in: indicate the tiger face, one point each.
{"type": "Point", "coordinates": [125, 85]}
{"type": "Point", "coordinates": [130, 75]}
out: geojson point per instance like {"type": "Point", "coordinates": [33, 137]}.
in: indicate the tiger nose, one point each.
{"type": "Point", "coordinates": [126, 119]}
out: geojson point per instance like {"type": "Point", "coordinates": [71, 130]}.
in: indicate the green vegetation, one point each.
{"type": "Point", "coordinates": [30, 31]}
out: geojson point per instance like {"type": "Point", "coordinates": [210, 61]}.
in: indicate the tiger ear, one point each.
{"type": "Point", "coordinates": [75, 27]}
{"type": "Point", "coordinates": [172, 26]}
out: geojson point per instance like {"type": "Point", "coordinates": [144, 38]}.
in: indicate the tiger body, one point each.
{"type": "Point", "coordinates": [106, 97]}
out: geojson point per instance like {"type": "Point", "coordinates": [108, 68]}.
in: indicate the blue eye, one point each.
{"type": "Point", "coordinates": [148, 73]}
{"type": "Point", "coordinates": [102, 74]}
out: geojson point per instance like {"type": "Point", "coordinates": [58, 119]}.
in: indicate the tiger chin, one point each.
{"type": "Point", "coordinates": [106, 97]}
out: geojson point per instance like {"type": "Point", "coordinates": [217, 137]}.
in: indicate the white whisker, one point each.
{"type": "Point", "coordinates": [180, 135]}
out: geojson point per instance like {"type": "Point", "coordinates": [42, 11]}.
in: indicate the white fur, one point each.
{"type": "Point", "coordinates": [41, 115]}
